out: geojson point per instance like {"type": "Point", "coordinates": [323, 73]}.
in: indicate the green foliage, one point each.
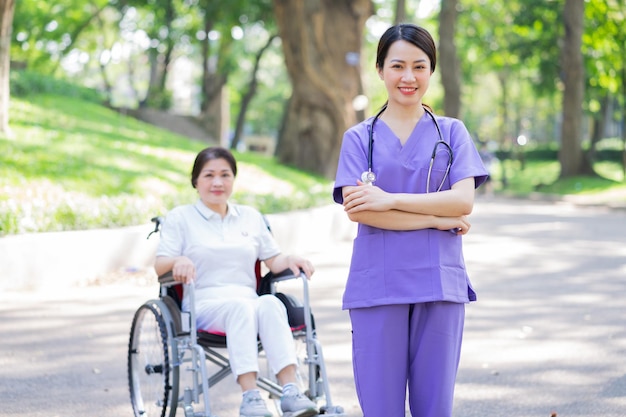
{"type": "Point", "coordinates": [264, 115]}
{"type": "Point", "coordinates": [608, 150]}
{"type": "Point", "coordinates": [517, 41]}
{"type": "Point", "coordinates": [510, 57]}
{"type": "Point", "coordinates": [121, 46]}
{"type": "Point", "coordinates": [27, 83]}
{"type": "Point", "coordinates": [78, 165]}
{"type": "Point", "coordinates": [43, 32]}
{"type": "Point", "coordinates": [161, 100]}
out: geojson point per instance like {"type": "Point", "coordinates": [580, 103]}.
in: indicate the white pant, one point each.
{"type": "Point", "coordinates": [242, 319]}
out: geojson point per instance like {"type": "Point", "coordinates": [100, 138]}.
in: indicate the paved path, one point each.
{"type": "Point", "coordinates": [549, 331]}
{"type": "Point", "coordinates": [547, 335]}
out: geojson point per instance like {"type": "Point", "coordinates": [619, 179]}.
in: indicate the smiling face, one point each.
{"type": "Point", "coordinates": [406, 71]}
{"type": "Point", "coordinates": [215, 184]}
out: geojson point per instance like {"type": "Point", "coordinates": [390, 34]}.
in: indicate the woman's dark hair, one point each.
{"type": "Point", "coordinates": [414, 34]}
{"type": "Point", "coordinates": [209, 154]}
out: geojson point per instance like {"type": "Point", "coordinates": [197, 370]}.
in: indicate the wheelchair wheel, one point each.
{"type": "Point", "coordinates": [153, 381]}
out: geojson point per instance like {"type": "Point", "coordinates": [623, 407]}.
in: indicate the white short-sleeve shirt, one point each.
{"type": "Point", "coordinates": [224, 251]}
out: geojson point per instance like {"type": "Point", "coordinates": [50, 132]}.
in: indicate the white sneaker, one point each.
{"type": "Point", "coordinates": [297, 405]}
{"type": "Point", "coordinates": [253, 405]}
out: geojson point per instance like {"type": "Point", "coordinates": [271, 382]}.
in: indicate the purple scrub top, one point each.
{"type": "Point", "coordinates": [406, 267]}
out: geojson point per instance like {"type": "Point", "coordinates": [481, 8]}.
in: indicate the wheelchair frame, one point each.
{"type": "Point", "coordinates": [165, 341]}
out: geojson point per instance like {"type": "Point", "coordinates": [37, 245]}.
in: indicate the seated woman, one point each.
{"type": "Point", "coordinates": [214, 245]}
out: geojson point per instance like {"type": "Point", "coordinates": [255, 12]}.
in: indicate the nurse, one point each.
{"type": "Point", "coordinates": [407, 286]}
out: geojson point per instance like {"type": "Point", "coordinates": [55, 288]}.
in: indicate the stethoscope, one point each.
{"type": "Point", "coordinates": [368, 177]}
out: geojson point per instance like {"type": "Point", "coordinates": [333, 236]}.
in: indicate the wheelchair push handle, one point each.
{"type": "Point", "coordinates": [287, 274]}
{"type": "Point", "coordinates": [158, 220]}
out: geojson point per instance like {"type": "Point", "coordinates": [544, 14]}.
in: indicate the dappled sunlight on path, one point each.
{"type": "Point", "coordinates": [546, 335]}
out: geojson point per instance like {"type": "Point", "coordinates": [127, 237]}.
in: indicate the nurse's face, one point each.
{"type": "Point", "coordinates": [215, 184]}
{"type": "Point", "coordinates": [406, 73]}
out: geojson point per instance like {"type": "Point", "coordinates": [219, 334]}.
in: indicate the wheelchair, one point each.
{"type": "Point", "coordinates": [172, 364]}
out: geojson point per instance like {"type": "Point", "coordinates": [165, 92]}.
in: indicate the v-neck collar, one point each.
{"type": "Point", "coordinates": [412, 136]}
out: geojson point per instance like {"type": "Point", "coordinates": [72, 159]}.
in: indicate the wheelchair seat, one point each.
{"type": "Point", "coordinates": [212, 338]}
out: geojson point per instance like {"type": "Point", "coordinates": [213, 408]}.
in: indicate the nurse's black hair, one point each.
{"type": "Point", "coordinates": [209, 154]}
{"type": "Point", "coordinates": [411, 33]}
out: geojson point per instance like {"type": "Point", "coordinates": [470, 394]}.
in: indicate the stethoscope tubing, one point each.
{"type": "Point", "coordinates": [369, 176]}
{"type": "Point", "coordinates": [370, 148]}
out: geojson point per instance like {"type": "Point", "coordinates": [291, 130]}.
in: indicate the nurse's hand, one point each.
{"type": "Point", "coordinates": [366, 197]}
{"type": "Point", "coordinates": [458, 225]}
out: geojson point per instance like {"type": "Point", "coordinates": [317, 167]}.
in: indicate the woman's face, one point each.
{"type": "Point", "coordinates": [406, 73]}
{"type": "Point", "coordinates": [215, 184]}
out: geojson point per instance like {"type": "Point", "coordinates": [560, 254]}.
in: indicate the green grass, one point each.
{"type": "Point", "coordinates": [72, 164]}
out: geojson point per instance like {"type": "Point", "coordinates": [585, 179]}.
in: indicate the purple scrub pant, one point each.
{"type": "Point", "coordinates": [414, 345]}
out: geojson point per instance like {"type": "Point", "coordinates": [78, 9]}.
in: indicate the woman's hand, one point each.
{"type": "Point", "coordinates": [366, 197]}
{"type": "Point", "coordinates": [279, 263]}
{"type": "Point", "coordinates": [297, 263]}
{"type": "Point", "coordinates": [183, 270]}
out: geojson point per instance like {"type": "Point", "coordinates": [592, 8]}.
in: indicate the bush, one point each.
{"type": "Point", "coordinates": [26, 83]}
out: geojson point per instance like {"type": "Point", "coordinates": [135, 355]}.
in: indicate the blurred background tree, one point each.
{"type": "Point", "coordinates": [520, 73]}
{"type": "Point", "coordinates": [322, 43]}
{"type": "Point", "coordinates": [7, 8]}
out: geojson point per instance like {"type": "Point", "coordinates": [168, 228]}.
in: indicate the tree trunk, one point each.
{"type": "Point", "coordinates": [214, 116]}
{"type": "Point", "coordinates": [598, 123]}
{"type": "Point", "coordinates": [249, 95]}
{"type": "Point", "coordinates": [322, 42]}
{"type": "Point", "coordinates": [7, 8]}
{"type": "Point", "coordinates": [448, 61]}
{"type": "Point", "coordinates": [153, 60]}
{"type": "Point", "coordinates": [623, 119]}
{"type": "Point", "coordinates": [571, 155]}
{"type": "Point", "coordinates": [599, 120]}
{"type": "Point", "coordinates": [400, 11]}
{"type": "Point", "coordinates": [102, 64]}
{"type": "Point", "coordinates": [505, 143]}
{"type": "Point", "coordinates": [160, 62]}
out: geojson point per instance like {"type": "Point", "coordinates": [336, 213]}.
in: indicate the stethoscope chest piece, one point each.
{"type": "Point", "coordinates": [368, 177]}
